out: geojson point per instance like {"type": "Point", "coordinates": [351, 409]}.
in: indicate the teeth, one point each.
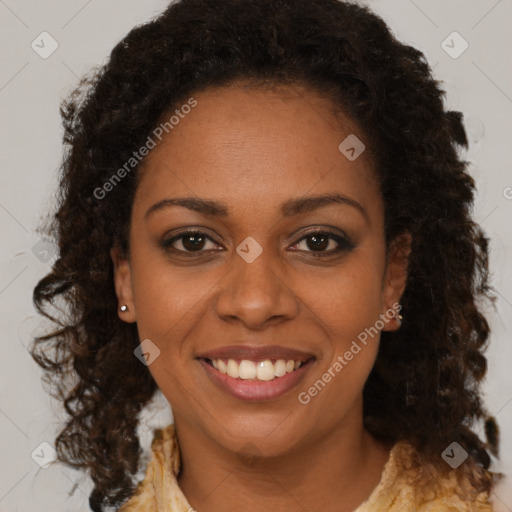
{"type": "Point", "coordinates": [247, 370]}
{"type": "Point", "coordinates": [233, 369]}
{"type": "Point", "coordinates": [280, 367]}
{"type": "Point", "coordinates": [222, 366]}
{"type": "Point", "coordinates": [261, 370]}
{"type": "Point", "coordinates": [265, 370]}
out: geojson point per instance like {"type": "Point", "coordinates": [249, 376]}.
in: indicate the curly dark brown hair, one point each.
{"type": "Point", "coordinates": [425, 386]}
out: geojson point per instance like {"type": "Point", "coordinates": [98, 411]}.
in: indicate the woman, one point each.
{"type": "Point", "coordinates": [263, 214]}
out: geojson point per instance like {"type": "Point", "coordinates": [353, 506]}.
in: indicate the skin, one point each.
{"type": "Point", "coordinates": [253, 149]}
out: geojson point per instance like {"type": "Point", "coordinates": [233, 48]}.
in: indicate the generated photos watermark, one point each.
{"type": "Point", "coordinates": [137, 156]}
{"type": "Point", "coordinates": [363, 337]}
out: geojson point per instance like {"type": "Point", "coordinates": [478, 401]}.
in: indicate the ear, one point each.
{"type": "Point", "coordinates": [395, 278]}
{"type": "Point", "coordinates": [123, 285]}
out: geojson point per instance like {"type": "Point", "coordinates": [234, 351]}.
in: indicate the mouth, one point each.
{"type": "Point", "coordinates": [255, 370]}
{"type": "Point", "coordinates": [255, 379]}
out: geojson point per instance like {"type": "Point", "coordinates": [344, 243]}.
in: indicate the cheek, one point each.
{"type": "Point", "coordinates": [348, 305]}
{"type": "Point", "coordinates": [347, 300]}
{"type": "Point", "coordinates": [167, 298]}
{"type": "Point", "coordinates": [171, 302]}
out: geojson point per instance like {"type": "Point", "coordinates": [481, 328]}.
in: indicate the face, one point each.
{"type": "Point", "coordinates": [255, 239]}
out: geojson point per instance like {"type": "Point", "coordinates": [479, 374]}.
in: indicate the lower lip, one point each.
{"type": "Point", "coordinates": [256, 390]}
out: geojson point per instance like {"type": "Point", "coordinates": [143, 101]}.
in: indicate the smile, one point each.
{"type": "Point", "coordinates": [246, 369]}
{"type": "Point", "coordinates": [256, 380]}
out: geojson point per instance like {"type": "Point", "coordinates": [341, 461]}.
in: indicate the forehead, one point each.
{"type": "Point", "coordinates": [246, 143]}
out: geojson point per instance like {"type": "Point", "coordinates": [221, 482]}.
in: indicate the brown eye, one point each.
{"type": "Point", "coordinates": [193, 242]}
{"type": "Point", "coordinates": [321, 243]}
{"type": "Point", "coordinates": [189, 242]}
{"type": "Point", "coordinates": [318, 242]}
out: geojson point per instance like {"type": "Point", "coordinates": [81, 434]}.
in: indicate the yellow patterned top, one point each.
{"type": "Point", "coordinates": [403, 487]}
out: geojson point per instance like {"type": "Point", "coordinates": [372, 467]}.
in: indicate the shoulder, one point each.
{"type": "Point", "coordinates": [159, 490]}
{"type": "Point", "coordinates": [410, 483]}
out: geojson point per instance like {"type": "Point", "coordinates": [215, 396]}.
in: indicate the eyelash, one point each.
{"type": "Point", "coordinates": [344, 243]}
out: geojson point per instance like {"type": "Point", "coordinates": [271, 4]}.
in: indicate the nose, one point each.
{"type": "Point", "coordinates": [256, 294]}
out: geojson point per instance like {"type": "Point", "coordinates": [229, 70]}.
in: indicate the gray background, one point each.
{"type": "Point", "coordinates": [478, 82]}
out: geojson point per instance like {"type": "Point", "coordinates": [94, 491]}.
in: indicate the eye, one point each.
{"type": "Point", "coordinates": [189, 242]}
{"type": "Point", "coordinates": [193, 243]}
{"type": "Point", "coordinates": [323, 243]}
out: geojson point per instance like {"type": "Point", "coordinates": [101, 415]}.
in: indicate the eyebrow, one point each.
{"type": "Point", "coordinates": [288, 209]}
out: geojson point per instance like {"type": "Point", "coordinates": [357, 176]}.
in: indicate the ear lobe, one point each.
{"type": "Point", "coordinates": [123, 285]}
{"type": "Point", "coordinates": [396, 272]}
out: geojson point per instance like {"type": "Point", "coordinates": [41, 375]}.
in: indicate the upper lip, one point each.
{"type": "Point", "coordinates": [256, 352]}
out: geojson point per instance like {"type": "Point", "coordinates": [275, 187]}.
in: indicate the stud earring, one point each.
{"type": "Point", "coordinates": [399, 318]}
{"type": "Point", "coordinates": [123, 308]}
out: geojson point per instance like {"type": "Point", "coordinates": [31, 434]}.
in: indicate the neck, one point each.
{"type": "Point", "coordinates": [335, 472]}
